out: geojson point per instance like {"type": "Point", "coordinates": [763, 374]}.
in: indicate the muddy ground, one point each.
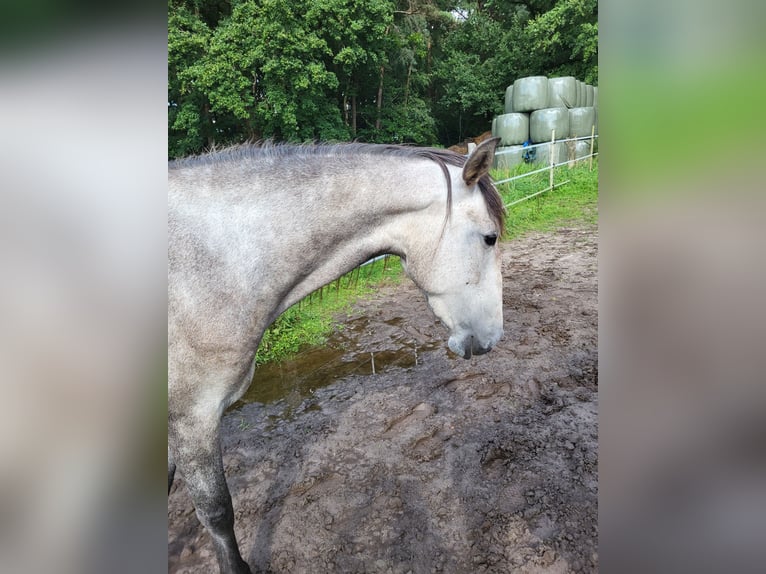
{"type": "Point", "coordinates": [433, 463]}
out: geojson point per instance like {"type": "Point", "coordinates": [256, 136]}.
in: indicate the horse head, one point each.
{"type": "Point", "coordinates": [460, 271]}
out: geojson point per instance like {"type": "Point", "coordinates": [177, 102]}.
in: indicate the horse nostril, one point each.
{"type": "Point", "coordinates": [478, 349]}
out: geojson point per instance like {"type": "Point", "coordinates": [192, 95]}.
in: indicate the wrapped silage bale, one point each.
{"type": "Point", "coordinates": [595, 105]}
{"type": "Point", "coordinates": [512, 128]}
{"type": "Point", "coordinates": [530, 94]}
{"type": "Point", "coordinates": [543, 153]}
{"type": "Point", "coordinates": [580, 94]}
{"type": "Point", "coordinates": [508, 108]}
{"type": "Point", "coordinates": [582, 149]}
{"type": "Point", "coordinates": [595, 120]}
{"type": "Point", "coordinates": [543, 122]}
{"type": "Point", "coordinates": [508, 157]}
{"type": "Point", "coordinates": [588, 96]}
{"type": "Point", "coordinates": [494, 125]}
{"type": "Point", "coordinates": [562, 92]}
{"type": "Point", "coordinates": [581, 120]}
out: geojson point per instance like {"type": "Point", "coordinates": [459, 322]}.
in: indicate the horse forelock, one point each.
{"type": "Point", "coordinates": [492, 198]}
{"type": "Point", "coordinates": [270, 150]}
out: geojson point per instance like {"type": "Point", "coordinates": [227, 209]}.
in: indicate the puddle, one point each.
{"type": "Point", "coordinates": [350, 350]}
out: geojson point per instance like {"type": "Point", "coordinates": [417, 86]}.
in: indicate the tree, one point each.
{"type": "Point", "coordinates": [401, 113]}
{"type": "Point", "coordinates": [564, 40]}
{"type": "Point", "coordinates": [493, 43]}
{"type": "Point", "coordinates": [266, 66]}
{"type": "Point", "coordinates": [414, 71]}
{"type": "Point", "coordinates": [471, 75]}
{"type": "Point", "coordinates": [189, 124]}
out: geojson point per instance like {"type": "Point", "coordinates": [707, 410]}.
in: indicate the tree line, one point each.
{"type": "Point", "coordinates": [428, 72]}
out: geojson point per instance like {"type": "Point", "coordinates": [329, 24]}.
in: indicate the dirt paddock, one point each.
{"type": "Point", "coordinates": [440, 465]}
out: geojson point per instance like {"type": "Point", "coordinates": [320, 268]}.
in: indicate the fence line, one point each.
{"type": "Point", "coordinates": [546, 168]}
{"type": "Point", "coordinates": [550, 167]}
{"type": "Point", "coordinates": [532, 146]}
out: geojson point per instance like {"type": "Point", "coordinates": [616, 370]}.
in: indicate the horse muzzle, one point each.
{"type": "Point", "coordinates": [470, 346]}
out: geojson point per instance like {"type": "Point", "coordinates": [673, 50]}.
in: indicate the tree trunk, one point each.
{"type": "Point", "coordinates": [379, 104]}
{"type": "Point", "coordinates": [428, 72]}
{"type": "Point", "coordinates": [353, 115]}
{"type": "Point", "coordinates": [209, 128]}
{"type": "Point", "coordinates": [345, 107]}
{"type": "Point", "coordinates": [407, 86]}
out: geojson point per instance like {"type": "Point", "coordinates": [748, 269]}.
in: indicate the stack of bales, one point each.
{"type": "Point", "coordinates": [535, 106]}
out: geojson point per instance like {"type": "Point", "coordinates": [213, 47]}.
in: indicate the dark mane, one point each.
{"type": "Point", "coordinates": [269, 150]}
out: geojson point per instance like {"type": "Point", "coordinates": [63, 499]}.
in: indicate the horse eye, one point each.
{"type": "Point", "coordinates": [490, 239]}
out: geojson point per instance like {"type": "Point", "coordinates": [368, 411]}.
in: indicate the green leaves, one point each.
{"type": "Point", "coordinates": [378, 70]}
{"type": "Point", "coordinates": [565, 39]}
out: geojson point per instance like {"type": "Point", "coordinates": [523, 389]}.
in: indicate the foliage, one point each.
{"type": "Point", "coordinates": [411, 71]}
{"type": "Point", "coordinates": [500, 41]}
{"type": "Point", "coordinates": [471, 76]}
{"type": "Point", "coordinates": [189, 127]}
{"type": "Point", "coordinates": [565, 39]}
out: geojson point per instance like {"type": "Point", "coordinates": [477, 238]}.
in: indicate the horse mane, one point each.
{"type": "Point", "coordinates": [271, 150]}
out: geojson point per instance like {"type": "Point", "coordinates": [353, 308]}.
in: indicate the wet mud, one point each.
{"type": "Point", "coordinates": [433, 463]}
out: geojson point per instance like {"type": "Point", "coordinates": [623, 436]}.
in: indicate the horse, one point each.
{"type": "Point", "coordinates": [255, 228]}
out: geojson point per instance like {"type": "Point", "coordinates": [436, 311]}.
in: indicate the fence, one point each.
{"type": "Point", "coordinates": [553, 148]}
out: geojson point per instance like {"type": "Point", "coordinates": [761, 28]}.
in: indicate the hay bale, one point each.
{"type": "Point", "coordinates": [595, 120]}
{"type": "Point", "coordinates": [530, 94]}
{"type": "Point", "coordinates": [461, 148]}
{"type": "Point", "coordinates": [580, 94]}
{"type": "Point", "coordinates": [562, 92]}
{"type": "Point", "coordinates": [508, 109]}
{"type": "Point", "coordinates": [512, 128]}
{"type": "Point", "coordinates": [588, 96]}
{"type": "Point", "coordinates": [508, 157]}
{"type": "Point", "coordinates": [595, 105]}
{"type": "Point", "coordinates": [581, 120]}
{"type": "Point", "coordinates": [543, 122]}
{"type": "Point", "coordinates": [582, 149]}
{"type": "Point", "coordinates": [481, 137]}
{"type": "Point", "coordinates": [543, 154]}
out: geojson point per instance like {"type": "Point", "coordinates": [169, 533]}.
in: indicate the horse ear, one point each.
{"type": "Point", "coordinates": [479, 161]}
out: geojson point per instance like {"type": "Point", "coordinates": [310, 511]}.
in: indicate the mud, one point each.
{"type": "Point", "coordinates": [433, 463]}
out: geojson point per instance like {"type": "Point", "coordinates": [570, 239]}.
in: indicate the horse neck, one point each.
{"type": "Point", "coordinates": [342, 219]}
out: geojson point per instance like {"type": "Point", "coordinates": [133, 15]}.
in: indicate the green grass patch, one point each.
{"type": "Point", "coordinates": [309, 322]}
{"type": "Point", "coordinates": [573, 203]}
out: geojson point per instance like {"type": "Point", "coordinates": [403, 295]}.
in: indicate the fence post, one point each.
{"type": "Point", "coordinates": [553, 159]}
{"type": "Point", "coordinates": [571, 152]}
{"type": "Point", "coordinates": [592, 136]}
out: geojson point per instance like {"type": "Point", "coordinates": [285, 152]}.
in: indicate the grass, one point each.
{"type": "Point", "coordinates": [573, 203]}
{"type": "Point", "coordinates": [310, 322]}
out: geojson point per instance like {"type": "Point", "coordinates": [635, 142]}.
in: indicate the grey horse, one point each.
{"type": "Point", "coordinates": [255, 228]}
